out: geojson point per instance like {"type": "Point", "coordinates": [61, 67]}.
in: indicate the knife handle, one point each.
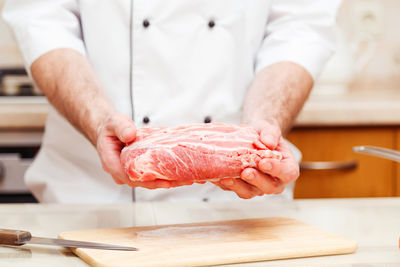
{"type": "Point", "coordinates": [14, 237]}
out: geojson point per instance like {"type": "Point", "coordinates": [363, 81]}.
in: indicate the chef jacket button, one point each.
{"type": "Point", "coordinates": [205, 199]}
{"type": "Point", "coordinates": [146, 120]}
{"type": "Point", "coordinates": [146, 23]}
{"type": "Point", "coordinates": [211, 24]}
{"type": "Point", "coordinates": [207, 119]}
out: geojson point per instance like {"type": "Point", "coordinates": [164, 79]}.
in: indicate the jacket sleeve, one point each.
{"type": "Point", "coordinates": [300, 31]}
{"type": "Point", "coordinates": [40, 26]}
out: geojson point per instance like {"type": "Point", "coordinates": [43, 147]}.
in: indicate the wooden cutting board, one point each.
{"type": "Point", "coordinates": [210, 243]}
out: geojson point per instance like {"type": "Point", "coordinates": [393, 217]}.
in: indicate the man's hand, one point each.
{"type": "Point", "coordinates": [76, 92]}
{"type": "Point", "coordinates": [271, 175]}
{"type": "Point", "coordinates": [116, 131]}
{"type": "Point", "coordinates": [273, 100]}
{"type": "Point", "coordinates": [113, 134]}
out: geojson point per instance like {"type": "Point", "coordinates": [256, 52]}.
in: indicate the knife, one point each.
{"type": "Point", "coordinates": [18, 238]}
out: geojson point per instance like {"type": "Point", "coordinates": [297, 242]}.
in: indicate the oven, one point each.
{"type": "Point", "coordinates": [23, 110]}
{"type": "Point", "coordinates": [17, 150]}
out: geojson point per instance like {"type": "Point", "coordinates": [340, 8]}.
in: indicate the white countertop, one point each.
{"type": "Point", "coordinates": [373, 223]}
{"type": "Point", "coordinates": [23, 112]}
{"type": "Point", "coordinates": [353, 108]}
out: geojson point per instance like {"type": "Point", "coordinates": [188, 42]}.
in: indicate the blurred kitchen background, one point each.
{"type": "Point", "coordinates": [356, 101]}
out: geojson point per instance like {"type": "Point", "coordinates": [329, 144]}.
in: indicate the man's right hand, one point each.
{"type": "Point", "coordinates": [112, 135]}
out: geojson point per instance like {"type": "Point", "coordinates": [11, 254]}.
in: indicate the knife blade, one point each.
{"type": "Point", "coordinates": [19, 237]}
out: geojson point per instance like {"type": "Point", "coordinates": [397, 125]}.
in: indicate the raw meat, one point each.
{"type": "Point", "coordinates": [196, 152]}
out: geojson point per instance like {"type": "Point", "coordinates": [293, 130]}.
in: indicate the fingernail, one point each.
{"type": "Point", "coordinates": [259, 144]}
{"type": "Point", "coordinates": [250, 176]}
{"type": "Point", "coordinates": [267, 166]}
{"type": "Point", "coordinates": [125, 132]}
{"type": "Point", "coordinates": [269, 140]}
{"type": "Point", "coordinates": [276, 180]}
{"type": "Point", "coordinates": [228, 182]}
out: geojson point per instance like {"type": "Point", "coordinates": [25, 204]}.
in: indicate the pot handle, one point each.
{"type": "Point", "coordinates": [329, 165]}
{"type": "Point", "coordinates": [381, 152]}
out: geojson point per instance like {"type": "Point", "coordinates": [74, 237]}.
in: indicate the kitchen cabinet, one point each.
{"type": "Point", "coordinates": [359, 175]}
{"type": "Point", "coordinates": [397, 182]}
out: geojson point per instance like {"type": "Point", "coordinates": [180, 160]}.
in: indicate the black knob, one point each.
{"type": "Point", "coordinates": [211, 23]}
{"type": "Point", "coordinates": [146, 120]}
{"type": "Point", "coordinates": [207, 119]}
{"type": "Point", "coordinates": [146, 23]}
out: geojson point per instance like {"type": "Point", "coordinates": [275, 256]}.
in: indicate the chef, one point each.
{"type": "Point", "coordinates": [110, 67]}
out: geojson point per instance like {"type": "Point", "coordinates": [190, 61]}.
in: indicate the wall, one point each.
{"type": "Point", "coordinates": [9, 54]}
{"type": "Point", "coordinates": [368, 43]}
{"type": "Point", "coordinates": [368, 54]}
{"type": "Point", "coordinates": [374, 36]}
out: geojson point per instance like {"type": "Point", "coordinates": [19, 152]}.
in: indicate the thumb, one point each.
{"type": "Point", "coordinates": [270, 136]}
{"type": "Point", "coordinates": [125, 130]}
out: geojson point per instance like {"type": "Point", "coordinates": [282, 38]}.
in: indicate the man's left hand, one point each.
{"type": "Point", "coordinates": [271, 175]}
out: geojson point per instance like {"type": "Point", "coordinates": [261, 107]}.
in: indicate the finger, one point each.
{"type": "Point", "coordinates": [229, 183]}
{"type": "Point", "coordinates": [181, 183]}
{"type": "Point", "coordinates": [221, 186]}
{"type": "Point", "coordinates": [226, 182]}
{"type": "Point", "coordinates": [259, 144]}
{"type": "Point", "coordinates": [242, 189]}
{"type": "Point", "coordinates": [287, 170]}
{"type": "Point", "coordinates": [161, 183]}
{"type": "Point", "coordinates": [284, 149]}
{"type": "Point", "coordinates": [280, 189]}
{"type": "Point", "coordinates": [264, 182]}
{"type": "Point", "coordinates": [270, 135]}
{"type": "Point", "coordinates": [225, 188]}
{"type": "Point", "coordinates": [124, 128]}
{"type": "Point", "coordinates": [158, 183]}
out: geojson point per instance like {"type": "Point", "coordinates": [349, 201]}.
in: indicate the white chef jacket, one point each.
{"type": "Point", "coordinates": [187, 60]}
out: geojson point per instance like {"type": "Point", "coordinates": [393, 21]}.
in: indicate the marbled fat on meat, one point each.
{"type": "Point", "coordinates": [196, 152]}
